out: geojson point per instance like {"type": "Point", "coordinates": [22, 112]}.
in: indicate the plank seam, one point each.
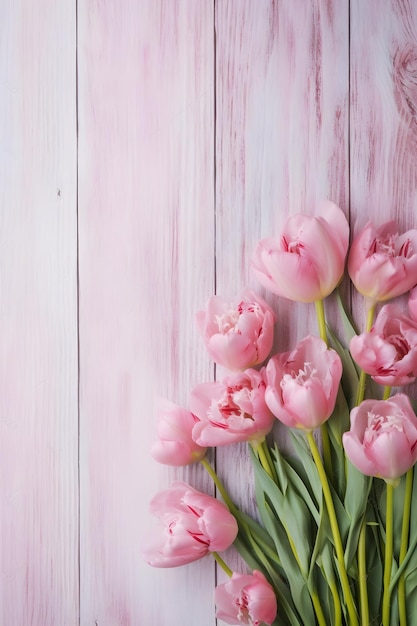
{"type": "Point", "coordinates": [78, 307]}
{"type": "Point", "coordinates": [215, 213]}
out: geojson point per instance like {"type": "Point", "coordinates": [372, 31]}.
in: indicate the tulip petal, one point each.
{"type": "Point", "coordinates": [356, 454]}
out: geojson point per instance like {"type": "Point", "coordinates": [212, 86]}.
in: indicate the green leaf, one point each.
{"type": "Point", "coordinates": [304, 455]}
{"type": "Point", "coordinates": [281, 468]}
{"type": "Point", "coordinates": [356, 503]}
{"type": "Point", "coordinates": [279, 514]}
{"type": "Point", "coordinates": [338, 423]}
{"type": "Point", "coordinates": [411, 600]}
{"type": "Point", "coordinates": [350, 374]}
{"type": "Point", "coordinates": [256, 542]}
{"type": "Point", "coordinates": [287, 612]}
{"type": "Point", "coordinates": [297, 480]}
{"type": "Point", "coordinates": [374, 572]}
{"type": "Point", "coordinates": [257, 549]}
{"type": "Point", "coordinates": [289, 509]}
{"type": "Point", "coordinates": [348, 324]}
{"type": "Point", "coordinates": [326, 562]}
{"type": "Point", "coordinates": [322, 540]}
{"type": "Point", "coordinates": [296, 581]}
{"type": "Point", "coordinates": [409, 566]}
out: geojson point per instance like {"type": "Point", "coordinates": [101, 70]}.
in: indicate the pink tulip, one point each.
{"type": "Point", "coordinates": [389, 351]}
{"type": "Point", "coordinates": [412, 304]}
{"type": "Point", "coordinates": [191, 524]}
{"type": "Point", "coordinates": [382, 440]}
{"type": "Point", "coordinates": [302, 385]}
{"type": "Point", "coordinates": [237, 334]}
{"type": "Point", "coordinates": [383, 264]}
{"type": "Point", "coordinates": [232, 410]}
{"type": "Point", "coordinates": [307, 260]}
{"type": "Point", "coordinates": [176, 445]}
{"type": "Point", "coordinates": [246, 599]}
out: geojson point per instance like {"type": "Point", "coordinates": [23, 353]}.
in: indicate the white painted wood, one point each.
{"type": "Point", "coordinates": [146, 98]}
{"type": "Point", "coordinates": [383, 112]}
{"type": "Point", "coordinates": [38, 316]}
{"type": "Point", "coordinates": [383, 115]}
{"type": "Point", "coordinates": [282, 147]}
{"type": "Point", "coordinates": [202, 126]}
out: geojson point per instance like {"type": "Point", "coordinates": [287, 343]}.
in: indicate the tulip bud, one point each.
{"type": "Point", "coordinates": [382, 263]}
{"type": "Point", "coordinates": [306, 261]}
{"type": "Point", "coordinates": [246, 599]}
{"type": "Point", "coordinates": [231, 410]}
{"type": "Point", "coordinates": [382, 440]}
{"type": "Point", "coordinates": [239, 334]}
{"type": "Point", "coordinates": [302, 385]}
{"type": "Point", "coordinates": [412, 304]}
{"type": "Point", "coordinates": [191, 524]}
{"type": "Point", "coordinates": [388, 352]}
{"type": "Point", "coordinates": [176, 446]}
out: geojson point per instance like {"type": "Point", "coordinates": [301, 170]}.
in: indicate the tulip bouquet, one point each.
{"type": "Point", "coordinates": [335, 538]}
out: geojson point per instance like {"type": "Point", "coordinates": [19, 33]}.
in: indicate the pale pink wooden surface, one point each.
{"type": "Point", "coordinates": [146, 264]}
{"type": "Point", "coordinates": [201, 125]}
{"type": "Point", "coordinates": [38, 316]}
{"type": "Point", "coordinates": [282, 145]}
{"type": "Point", "coordinates": [384, 113]}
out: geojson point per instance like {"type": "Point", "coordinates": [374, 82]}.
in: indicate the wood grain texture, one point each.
{"type": "Point", "coordinates": [146, 266]}
{"type": "Point", "coordinates": [383, 115]}
{"type": "Point", "coordinates": [384, 111]}
{"type": "Point", "coordinates": [282, 129]}
{"type": "Point", "coordinates": [201, 127]}
{"type": "Point", "coordinates": [282, 147]}
{"type": "Point", "coordinates": [38, 316]}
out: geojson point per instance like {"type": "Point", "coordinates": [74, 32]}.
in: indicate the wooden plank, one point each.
{"type": "Point", "coordinates": [282, 147]}
{"type": "Point", "coordinates": [383, 115]}
{"type": "Point", "coordinates": [282, 130]}
{"type": "Point", "coordinates": [146, 266]}
{"type": "Point", "coordinates": [383, 111]}
{"type": "Point", "coordinates": [38, 315]}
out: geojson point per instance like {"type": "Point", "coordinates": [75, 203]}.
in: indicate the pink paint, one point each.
{"type": "Point", "coordinates": [289, 125]}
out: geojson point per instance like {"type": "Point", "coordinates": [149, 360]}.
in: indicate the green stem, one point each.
{"type": "Point", "coordinates": [363, 588]}
{"type": "Point", "coordinates": [386, 604]}
{"type": "Point", "coordinates": [218, 483]}
{"type": "Point", "coordinates": [264, 548]}
{"type": "Point", "coordinates": [387, 392]}
{"type": "Point", "coordinates": [321, 319]}
{"type": "Point", "coordinates": [336, 601]}
{"type": "Point", "coordinates": [264, 454]}
{"type": "Point", "coordinates": [370, 317]}
{"type": "Point", "coordinates": [335, 530]}
{"type": "Point", "coordinates": [362, 378]}
{"type": "Point", "coordinates": [317, 609]}
{"type": "Point", "coordinates": [265, 458]}
{"type": "Point", "coordinates": [222, 564]}
{"type": "Point", "coordinates": [405, 531]}
{"type": "Point", "coordinates": [327, 456]}
{"type": "Point", "coordinates": [361, 388]}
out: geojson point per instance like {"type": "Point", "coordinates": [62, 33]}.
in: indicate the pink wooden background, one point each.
{"type": "Point", "coordinates": [146, 145]}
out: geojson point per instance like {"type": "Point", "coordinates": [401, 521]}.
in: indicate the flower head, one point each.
{"type": "Point", "coordinates": [382, 440]}
{"type": "Point", "coordinates": [237, 334]}
{"type": "Point", "coordinates": [176, 446]}
{"type": "Point", "coordinates": [246, 599]}
{"type": "Point", "coordinates": [382, 263]}
{"type": "Point", "coordinates": [191, 524]}
{"type": "Point", "coordinates": [306, 262]}
{"type": "Point", "coordinates": [389, 351]}
{"type": "Point", "coordinates": [231, 410]}
{"type": "Point", "coordinates": [302, 385]}
{"type": "Point", "coordinates": [412, 304]}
